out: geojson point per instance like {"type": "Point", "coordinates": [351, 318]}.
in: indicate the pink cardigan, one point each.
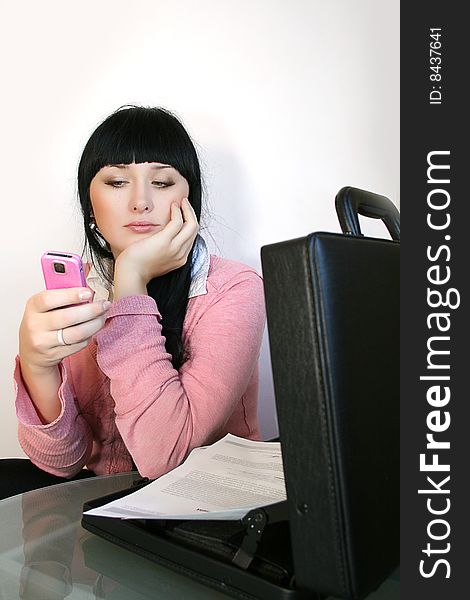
{"type": "Point", "coordinates": [122, 399]}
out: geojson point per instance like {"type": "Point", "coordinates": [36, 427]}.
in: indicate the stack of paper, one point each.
{"type": "Point", "coordinates": [221, 481]}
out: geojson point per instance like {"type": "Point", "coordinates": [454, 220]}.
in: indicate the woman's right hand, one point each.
{"type": "Point", "coordinates": [47, 313]}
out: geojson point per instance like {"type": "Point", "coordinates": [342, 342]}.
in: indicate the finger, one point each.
{"type": "Point", "coordinates": [191, 226]}
{"type": "Point", "coordinates": [188, 246]}
{"type": "Point", "coordinates": [181, 249]}
{"type": "Point", "coordinates": [188, 211]}
{"type": "Point", "coordinates": [78, 334]}
{"type": "Point", "coordinates": [67, 317]}
{"type": "Point", "coordinates": [51, 299]}
{"type": "Point", "coordinates": [187, 233]}
{"type": "Point", "coordinates": [64, 351]}
{"type": "Point", "coordinates": [174, 225]}
{"type": "Point", "coordinates": [185, 240]}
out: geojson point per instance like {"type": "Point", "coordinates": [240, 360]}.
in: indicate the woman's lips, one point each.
{"type": "Point", "coordinates": [141, 228]}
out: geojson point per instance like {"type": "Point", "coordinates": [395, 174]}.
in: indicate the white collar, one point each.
{"type": "Point", "coordinates": [199, 271]}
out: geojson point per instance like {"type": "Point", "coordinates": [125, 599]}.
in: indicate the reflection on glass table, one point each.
{"type": "Point", "coordinates": [45, 554]}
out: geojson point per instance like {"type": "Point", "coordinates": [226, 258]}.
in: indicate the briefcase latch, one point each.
{"type": "Point", "coordinates": [255, 522]}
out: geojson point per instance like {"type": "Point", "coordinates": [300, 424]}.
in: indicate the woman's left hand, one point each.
{"type": "Point", "coordinates": [160, 253]}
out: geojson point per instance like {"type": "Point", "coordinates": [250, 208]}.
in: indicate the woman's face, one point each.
{"type": "Point", "coordinates": [133, 201]}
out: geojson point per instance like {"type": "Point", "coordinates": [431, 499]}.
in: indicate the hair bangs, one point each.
{"type": "Point", "coordinates": [142, 135]}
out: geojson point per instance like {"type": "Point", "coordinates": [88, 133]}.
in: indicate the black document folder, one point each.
{"type": "Point", "coordinates": [332, 303]}
{"type": "Point", "coordinates": [248, 559]}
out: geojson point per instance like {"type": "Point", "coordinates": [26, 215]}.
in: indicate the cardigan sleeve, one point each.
{"type": "Point", "coordinates": [161, 413]}
{"type": "Point", "coordinates": [61, 447]}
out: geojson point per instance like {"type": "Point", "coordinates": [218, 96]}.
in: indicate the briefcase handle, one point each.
{"type": "Point", "coordinates": [351, 201]}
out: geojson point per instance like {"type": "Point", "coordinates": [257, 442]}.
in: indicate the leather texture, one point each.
{"type": "Point", "coordinates": [333, 320]}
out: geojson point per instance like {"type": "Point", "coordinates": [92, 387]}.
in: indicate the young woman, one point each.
{"type": "Point", "coordinates": [164, 359]}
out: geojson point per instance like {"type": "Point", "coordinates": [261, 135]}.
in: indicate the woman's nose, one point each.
{"type": "Point", "coordinates": [141, 200]}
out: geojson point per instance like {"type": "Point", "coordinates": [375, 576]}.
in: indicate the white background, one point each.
{"type": "Point", "coordinates": [287, 101]}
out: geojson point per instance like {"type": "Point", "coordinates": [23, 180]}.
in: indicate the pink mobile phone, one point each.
{"type": "Point", "coordinates": [62, 270]}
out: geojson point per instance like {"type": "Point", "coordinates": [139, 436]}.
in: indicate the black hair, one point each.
{"type": "Point", "coordinates": [137, 134]}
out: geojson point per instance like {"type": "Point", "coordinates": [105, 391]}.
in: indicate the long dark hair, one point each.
{"type": "Point", "coordinates": [144, 134]}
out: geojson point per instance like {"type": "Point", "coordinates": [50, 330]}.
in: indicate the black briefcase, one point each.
{"type": "Point", "coordinates": [332, 303]}
{"type": "Point", "coordinates": [333, 323]}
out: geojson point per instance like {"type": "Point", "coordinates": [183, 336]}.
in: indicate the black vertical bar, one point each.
{"type": "Point", "coordinates": [434, 547]}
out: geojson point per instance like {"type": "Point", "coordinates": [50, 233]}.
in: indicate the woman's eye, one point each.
{"type": "Point", "coordinates": [161, 184]}
{"type": "Point", "coordinates": [115, 183]}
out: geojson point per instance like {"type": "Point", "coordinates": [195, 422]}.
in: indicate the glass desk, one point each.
{"type": "Point", "coordinates": [46, 555]}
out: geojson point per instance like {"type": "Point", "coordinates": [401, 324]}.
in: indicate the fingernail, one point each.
{"type": "Point", "coordinates": [106, 304]}
{"type": "Point", "coordinates": [85, 295]}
